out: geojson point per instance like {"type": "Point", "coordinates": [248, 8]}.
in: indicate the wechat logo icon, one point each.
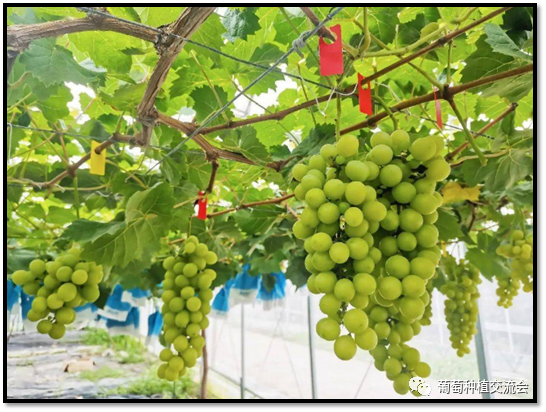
{"type": "Point", "coordinates": [418, 384]}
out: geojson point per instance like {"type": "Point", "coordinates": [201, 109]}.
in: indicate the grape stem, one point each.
{"type": "Point", "coordinates": [468, 135]}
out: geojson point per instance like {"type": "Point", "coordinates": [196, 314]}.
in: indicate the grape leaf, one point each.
{"type": "Point", "coordinates": [240, 23]}
{"type": "Point", "coordinates": [448, 226]}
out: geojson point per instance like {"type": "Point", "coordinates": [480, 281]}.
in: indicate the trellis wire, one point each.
{"type": "Point", "coordinates": [204, 46]}
{"type": "Point", "coordinates": [306, 36]}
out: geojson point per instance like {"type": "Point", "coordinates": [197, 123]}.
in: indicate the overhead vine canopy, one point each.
{"type": "Point", "coordinates": [143, 81]}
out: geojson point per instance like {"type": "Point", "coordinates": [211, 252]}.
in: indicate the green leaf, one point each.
{"type": "Point", "coordinates": [383, 21]}
{"type": "Point", "coordinates": [125, 98]}
{"type": "Point", "coordinates": [448, 225]}
{"type": "Point", "coordinates": [199, 170]}
{"type": "Point", "coordinates": [522, 194]}
{"type": "Point", "coordinates": [269, 281]}
{"type": "Point", "coordinates": [240, 23]}
{"type": "Point", "coordinates": [85, 231]}
{"type": "Point", "coordinates": [501, 43]}
{"type": "Point", "coordinates": [485, 62]}
{"type": "Point", "coordinates": [506, 171]}
{"type": "Point", "coordinates": [256, 221]}
{"type": "Point", "coordinates": [54, 64]}
{"type": "Point", "coordinates": [243, 140]}
{"type": "Point", "coordinates": [206, 103]}
{"type": "Point", "coordinates": [317, 138]}
{"type": "Point", "coordinates": [158, 16]}
{"type": "Point", "coordinates": [410, 13]}
{"type": "Point", "coordinates": [490, 264]}
{"type": "Point", "coordinates": [296, 271]}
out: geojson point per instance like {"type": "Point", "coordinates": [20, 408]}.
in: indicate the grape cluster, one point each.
{"type": "Point", "coordinates": [461, 304]}
{"type": "Point", "coordinates": [368, 229]}
{"type": "Point", "coordinates": [519, 250]}
{"type": "Point", "coordinates": [59, 286]}
{"type": "Point", "coordinates": [186, 297]}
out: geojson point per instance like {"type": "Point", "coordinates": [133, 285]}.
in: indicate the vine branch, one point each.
{"type": "Point", "coordinates": [273, 201]}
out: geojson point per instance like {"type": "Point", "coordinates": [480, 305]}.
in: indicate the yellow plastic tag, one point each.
{"type": "Point", "coordinates": [97, 161]}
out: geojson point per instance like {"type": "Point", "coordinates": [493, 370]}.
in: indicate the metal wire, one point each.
{"type": "Point", "coordinates": [305, 37]}
{"type": "Point", "coordinates": [206, 47]}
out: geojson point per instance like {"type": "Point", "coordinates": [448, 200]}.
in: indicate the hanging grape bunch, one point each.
{"type": "Point", "coordinates": [186, 297]}
{"type": "Point", "coordinates": [519, 251]}
{"type": "Point", "coordinates": [59, 286]}
{"type": "Point", "coordinates": [385, 198]}
{"type": "Point", "coordinates": [461, 305]}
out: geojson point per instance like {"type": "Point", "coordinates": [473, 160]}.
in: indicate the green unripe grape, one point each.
{"type": "Point", "coordinates": [382, 330]}
{"type": "Point", "coordinates": [345, 347]}
{"type": "Point", "coordinates": [189, 248]}
{"type": "Point", "coordinates": [64, 274]}
{"type": "Point", "coordinates": [39, 304]}
{"type": "Point", "coordinates": [354, 216]}
{"type": "Point", "coordinates": [196, 317]}
{"type": "Point", "coordinates": [308, 263]}
{"type": "Point", "coordinates": [340, 160]}
{"type": "Point", "coordinates": [424, 204]}
{"type": "Point", "coordinates": [390, 175]}
{"type": "Point", "coordinates": [334, 189]}
{"type": "Point", "coordinates": [168, 295]}
{"type": "Point", "coordinates": [94, 277]}
{"type": "Point", "coordinates": [321, 242]}
{"type": "Point", "coordinates": [422, 267]}
{"type": "Point", "coordinates": [373, 170]}
{"type": "Point", "coordinates": [57, 331]}
{"type": "Point", "coordinates": [176, 363]}
{"type": "Point", "coordinates": [355, 320]}
{"type": "Point", "coordinates": [329, 304]}
{"type": "Point", "coordinates": [328, 329]}
{"type": "Point", "coordinates": [198, 342]}
{"type": "Point", "coordinates": [299, 171]}
{"type": "Point", "coordinates": [169, 319]}
{"type": "Point", "coordinates": [171, 334]}
{"type": "Point", "coordinates": [357, 171]}
{"type": "Point", "coordinates": [379, 314]}
{"type": "Point", "coordinates": [176, 305]}
{"type": "Point", "coordinates": [391, 221]}
{"type": "Point", "coordinates": [364, 284]}
{"type": "Point", "coordinates": [328, 213]}
{"type": "Point", "coordinates": [204, 324]}
{"type": "Point", "coordinates": [357, 231]}
{"type": "Point", "coordinates": [374, 211]}
{"type": "Point", "coordinates": [392, 367]}
{"type": "Point", "coordinates": [317, 162]}
{"type": "Point", "coordinates": [381, 155]}
{"type": "Point", "coordinates": [65, 316]}
{"type": "Point", "coordinates": [161, 370]}
{"type": "Point", "coordinates": [427, 236]}
{"type": "Point", "coordinates": [429, 255]}
{"type": "Point", "coordinates": [425, 186]}
{"type": "Point", "coordinates": [438, 169]}
{"type": "Point", "coordinates": [204, 282]}
{"type": "Point", "coordinates": [325, 282]}
{"type": "Point", "coordinates": [371, 194]}
{"type": "Point", "coordinates": [390, 288]}
{"type": "Point", "coordinates": [315, 198]}
{"type": "Point", "coordinates": [311, 284]}
{"type": "Point", "coordinates": [193, 330]}
{"type": "Point", "coordinates": [323, 262]}
{"type": "Point", "coordinates": [301, 231]}
{"type": "Point", "coordinates": [339, 253]}
{"type": "Point", "coordinates": [423, 149]}
{"type": "Point", "coordinates": [171, 374]}
{"type": "Point", "coordinates": [358, 248]}
{"type": "Point", "coordinates": [344, 290]}
{"type": "Point", "coordinates": [381, 138]}
{"type": "Point", "coordinates": [190, 357]}
{"type": "Point", "coordinates": [193, 239]}
{"type": "Point", "coordinates": [360, 301]}
{"type": "Point", "coordinates": [412, 308]}
{"type": "Point", "coordinates": [37, 267]}
{"type": "Point", "coordinates": [397, 266]}
{"type": "Point", "coordinates": [52, 267]}
{"type": "Point", "coordinates": [404, 192]}
{"type": "Point", "coordinates": [182, 319]}
{"type": "Point", "coordinates": [422, 369]}
{"type": "Point", "coordinates": [366, 340]}
{"type": "Point", "coordinates": [365, 265]}
{"type": "Point", "coordinates": [44, 326]}
{"type": "Point", "coordinates": [190, 270]}
{"type": "Point", "coordinates": [169, 262]}
{"type": "Point", "coordinates": [201, 250]}
{"type": "Point", "coordinates": [343, 207]}
{"type": "Point", "coordinates": [310, 182]}
{"type": "Point", "coordinates": [355, 193]}
{"type": "Point", "coordinates": [187, 293]}
{"type": "Point", "coordinates": [388, 246]}
{"type": "Point", "coordinates": [347, 146]}
{"type": "Point", "coordinates": [79, 277]}
{"type": "Point", "coordinates": [31, 288]}
{"type": "Point", "coordinates": [34, 316]}
{"type": "Point", "coordinates": [90, 293]}
{"type": "Point", "coordinates": [309, 218]}
{"type": "Point", "coordinates": [400, 141]}
{"type": "Point", "coordinates": [328, 152]}
{"type": "Point", "coordinates": [193, 304]}
{"type": "Point", "coordinates": [431, 219]}
{"type": "Point", "coordinates": [211, 258]}
{"type": "Point", "coordinates": [20, 277]}
{"type": "Point", "coordinates": [67, 292]}
{"type": "Point", "coordinates": [70, 260]}
{"type": "Point", "coordinates": [413, 286]}
{"type": "Point", "coordinates": [181, 281]}
{"type": "Point", "coordinates": [410, 220]}
{"type": "Point", "coordinates": [43, 292]}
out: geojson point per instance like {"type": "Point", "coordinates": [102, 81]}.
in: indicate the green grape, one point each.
{"type": "Point", "coordinates": [397, 266]}
{"type": "Point", "coordinates": [300, 192]}
{"type": "Point", "coordinates": [317, 162]}
{"type": "Point", "coordinates": [321, 242]}
{"type": "Point", "coordinates": [410, 220]}
{"type": "Point", "coordinates": [300, 230]}
{"type": "Point", "coordinates": [90, 293]}
{"type": "Point", "coordinates": [67, 292]}
{"type": "Point", "coordinates": [364, 284]}
{"type": "Point", "coordinates": [355, 320]}
{"type": "Point", "coordinates": [65, 316]}
{"type": "Point", "coordinates": [438, 169]}
{"type": "Point", "coordinates": [357, 171]}
{"type": "Point", "coordinates": [64, 274]}
{"type": "Point", "coordinates": [390, 288]}
{"type": "Point", "coordinates": [353, 216]}
{"type": "Point", "coordinates": [328, 329]}
{"type": "Point", "coordinates": [325, 282]}
{"type": "Point", "coordinates": [182, 319]}
{"type": "Point", "coordinates": [360, 301]}
{"type": "Point", "coordinates": [400, 141]}
{"type": "Point", "coordinates": [193, 304]}
{"type": "Point", "coordinates": [328, 213]}
{"type": "Point", "coordinates": [329, 304]}
{"type": "Point", "coordinates": [366, 340]}
{"type": "Point", "coordinates": [388, 246]}
{"type": "Point", "coordinates": [357, 231]}
{"type": "Point", "coordinates": [424, 204]}
{"type": "Point", "coordinates": [381, 138]}
{"type": "Point", "coordinates": [57, 331]}
{"type": "Point", "coordinates": [347, 146]}
{"type": "Point", "coordinates": [355, 193]}
{"type": "Point", "coordinates": [322, 262]}
{"type": "Point", "coordinates": [390, 176]}
{"type": "Point", "coordinates": [381, 155]}
{"type": "Point", "coordinates": [423, 149]}
{"type": "Point", "coordinates": [382, 330]}
{"type": "Point", "coordinates": [422, 267]}
{"type": "Point", "coordinates": [358, 248]}
{"type": "Point", "coordinates": [328, 152]}
{"type": "Point", "coordinates": [374, 211]}
{"type": "Point", "coordinates": [37, 267]}
{"type": "Point", "coordinates": [344, 290]}
{"type": "Point", "coordinates": [339, 252]}
{"type": "Point", "coordinates": [427, 236]}
{"type": "Point", "coordinates": [393, 367]}
{"type": "Point", "coordinates": [345, 347]}
{"type": "Point", "coordinates": [413, 286]}
{"type": "Point", "coordinates": [334, 189]}
{"type": "Point", "coordinates": [404, 192]}
{"type": "Point", "coordinates": [425, 186]}
{"type": "Point", "coordinates": [422, 369]}
{"type": "Point", "coordinates": [44, 326]}
{"type": "Point", "coordinates": [315, 198]}
{"type": "Point", "coordinates": [79, 277]}
{"type": "Point", "coordinates": [309, 218]}
{"type": "Point", "coordinates": [412, 308]}
{"type": "Point", "coordinates": [298, 172]}
{"type": "Point", "coordinates": [21, 277]}
{"type": "Point", "coordinates": [391, 221]}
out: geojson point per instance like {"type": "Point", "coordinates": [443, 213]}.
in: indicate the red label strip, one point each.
{"type": "Point", "coordinates": [331, 55]}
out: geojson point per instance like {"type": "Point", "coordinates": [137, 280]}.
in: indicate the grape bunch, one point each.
{"type": "Point", "coordinates": [519, 250]}
{"type": "Point", "coordinates": [186, 296]}
{"type": "Point", "coordinates": [368, 229]}
{"type": "Point", "coordinates": [461, 304]}
{"type": "Point", "coordinates": [59, 286]}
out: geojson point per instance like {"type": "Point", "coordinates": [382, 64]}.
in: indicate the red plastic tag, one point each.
{"type": "Point", "coordinates": [331, 55]}
{"type": "Point", "coordinates": [438, 106]}
{"type": "Point", "coordinates": [365, 97]}
{"type": "Point", "coordinates": [202, 206]}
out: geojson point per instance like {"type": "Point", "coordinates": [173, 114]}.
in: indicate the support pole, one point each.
{"type": "Point", "coordinates": [311, 348]}
{"type": "Point", "coordinates": [242, 351]}
{"type": "Point", "coordinates": [482, 356]}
